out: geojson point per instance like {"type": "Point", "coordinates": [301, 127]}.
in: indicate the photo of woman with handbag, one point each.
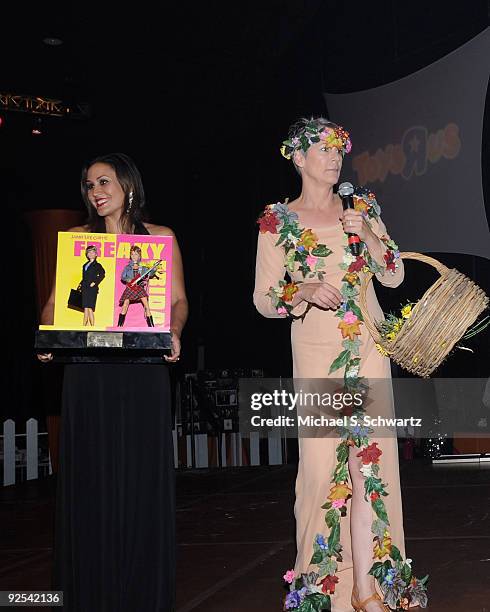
{"type": "Point", "coordinates": [92, 275]}
{"type": "Point", "coordinates": [136, 290]}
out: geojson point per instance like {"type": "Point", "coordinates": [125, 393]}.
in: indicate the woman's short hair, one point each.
{"type": "Point", "coordinates": [298, 128]}
{"type": "Point", "coordinates": [130, 180]}
{"type": "Point", "coordinates": [91, 247]}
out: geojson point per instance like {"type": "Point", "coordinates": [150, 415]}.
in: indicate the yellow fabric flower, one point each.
{"type": "Point", "coordinates": [407, 311]}
{"type": "Point", "coordinates": [308, 239]}
{"type": "Point", "coordinates": [390, 336]}
{"type": "Point", "coordinates": [398, 325]}
{"type": "Point", "coordinates": [382, 548]}
{"type": "Point", "coordinates": [340, 491]}
{"type": "Point", "coordinates": [381, 350]}
{"type": "Point", "coordinates": [283, 152]}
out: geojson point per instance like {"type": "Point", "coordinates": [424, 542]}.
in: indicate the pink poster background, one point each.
{"type": "Point", "coordinates": [159, 290]}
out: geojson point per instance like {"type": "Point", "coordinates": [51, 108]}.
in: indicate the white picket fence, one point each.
{"type": "Point", "coordinates": [14, 459]}
{"type": "Point", "coordinates": [16, 462]}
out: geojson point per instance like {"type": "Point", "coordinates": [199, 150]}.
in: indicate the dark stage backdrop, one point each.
{"type": "Point", "coordinates": [417, 144]}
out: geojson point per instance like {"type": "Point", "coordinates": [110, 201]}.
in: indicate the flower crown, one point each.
{"type": "Point", "coordinates": [312, 132]}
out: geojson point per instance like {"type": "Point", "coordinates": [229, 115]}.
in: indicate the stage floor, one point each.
{"type": "Point", "coordinates": [236, 530]}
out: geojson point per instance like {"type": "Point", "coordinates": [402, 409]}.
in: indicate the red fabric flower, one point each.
{"type": "Point", "coordinates": [389, 260]}
{"type": "Point", "coordinates": [268, 222]}
{"type": "Point", "coordinates": [328, 584]}
{"type": "Point", "coordinates": [370, 454]}
{"type": "Point", "coordinates": [358, 265]}
{"type": "Point", "coordinates": [374, 496]}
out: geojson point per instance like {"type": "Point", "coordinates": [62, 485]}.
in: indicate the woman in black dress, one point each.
{"type": "Point", "coordinates": [115, 520]}
{"type": "Point", "coordinates": [92, 275]}
{"type": "Point", "coordinates": [135, 293]}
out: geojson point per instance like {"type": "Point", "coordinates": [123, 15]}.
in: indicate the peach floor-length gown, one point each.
{"type": "Point", "coordinates": [316, 342]}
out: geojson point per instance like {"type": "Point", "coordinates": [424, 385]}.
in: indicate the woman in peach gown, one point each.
{"type": "Point", "coordinates": [316, 342]}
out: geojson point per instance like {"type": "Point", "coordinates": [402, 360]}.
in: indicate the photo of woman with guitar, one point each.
{"type": "Point", "coordinates": [136, 277]}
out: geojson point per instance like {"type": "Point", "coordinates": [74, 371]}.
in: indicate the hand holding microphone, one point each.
{"type": "Point", "coordinates": [352, 220]}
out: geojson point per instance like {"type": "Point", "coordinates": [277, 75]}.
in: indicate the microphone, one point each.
{"type": "Point", "coordinates": [345, 191]}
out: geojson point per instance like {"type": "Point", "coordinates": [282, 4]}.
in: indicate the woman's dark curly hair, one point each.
{"type": "Point", "coordinates": [129, 178]}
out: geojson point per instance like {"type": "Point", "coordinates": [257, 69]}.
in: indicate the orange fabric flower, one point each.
{"type": "Point", "coordinates": [288, 292]}
{"type": "Point", "coordinates": [308, 239]}
{"type": "Point", "coordinates": [360, 205]}
{"type": "Point", "coordinates": [351, 278]}
{"type": "Point", "coordinates": [350, 329]}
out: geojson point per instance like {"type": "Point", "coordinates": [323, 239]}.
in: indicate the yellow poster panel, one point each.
{"type": "Point", "coordinates": [72, 257]}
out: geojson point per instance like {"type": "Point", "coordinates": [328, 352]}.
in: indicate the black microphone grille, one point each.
{"type": "Point", "coordinates": [345, 189]}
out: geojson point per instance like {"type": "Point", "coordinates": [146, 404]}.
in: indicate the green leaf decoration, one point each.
{"type": "Point", "coordinates": [298, 583]}
{"type": "Point", "coordinates": [377, 570]}
{"type": "Point", "coordinates": [341, 360]}
{"type": "Point", "coordinates": [406, 573]}
{"type": "Point", "coordinates": [374, 267]}
{"type": "Point", "coordinates": [341, 473]}
{"type": "Point", "coordinates": [317, 558]}
{"type": "Point", "coordinates": [395, 553]}
{"type": "Point", "coordinates": [334, 537]}
{"type": "Point", "coordinates": [332, 518]}
{"type": "Point", "coordinates": [290, 261]}
{"type": "Point", "coordinates": [350, 291]}
{"type": "Point", "coordinates": [327, 506]}
{"type": "Point", "coordinates": [379, 508]}
{"type": "Point", "coordinates": [373, 484]}
{"type": "Point", "coordinates": [342, 452]}
{"type": "Point", "coordinates": [352, 345]}
{"type": "Point", "coordinates": [321, 251]}
{"type": "Point", "coordinates": [328, 567]}
{"type": "Point", "coordinates": [320, 602]}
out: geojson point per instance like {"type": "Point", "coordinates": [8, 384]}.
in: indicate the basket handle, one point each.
{"type": "Point", "coordinates": [441, 268]}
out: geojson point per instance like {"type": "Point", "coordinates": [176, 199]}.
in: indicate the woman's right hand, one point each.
{"type": "Point", "coordinates": [323, 295]}
{"type": "Point", "coordinates": [45, 357]}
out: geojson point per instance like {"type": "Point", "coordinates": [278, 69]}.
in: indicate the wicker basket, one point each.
{"type": "Point", "coordinates": [438, 320]}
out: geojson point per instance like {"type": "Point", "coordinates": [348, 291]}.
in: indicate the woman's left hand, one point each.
{"type": "Point", "coordinates": [353, 222]}
{"type": "Point", "coordinates": [175, 354]}
{"type": "Point", "coordinates": [92, 284]}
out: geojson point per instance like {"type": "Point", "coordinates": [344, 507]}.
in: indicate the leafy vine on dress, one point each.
{"type": "Point", "coordinates": [311, 592]}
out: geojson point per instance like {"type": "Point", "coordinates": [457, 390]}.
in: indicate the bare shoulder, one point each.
{"type": "Point", "coordinates": [294, 204]}
{"type": "Point", "coordinates": [158, 230]}
{"type": "Point", "coordinates": [79, 228]}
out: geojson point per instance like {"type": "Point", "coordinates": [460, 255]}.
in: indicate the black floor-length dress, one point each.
{"type": "Point", "coordinates": [115, 515]}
